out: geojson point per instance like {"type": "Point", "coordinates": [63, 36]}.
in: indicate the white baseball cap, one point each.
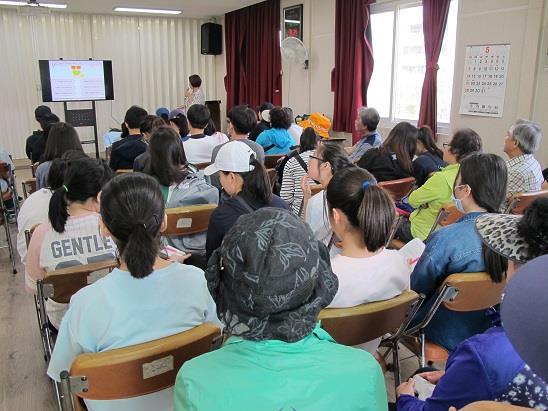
{"type": "Point", "coordinates": [233, 156]}
{"type": "Point", "coordinates": [265, 114]}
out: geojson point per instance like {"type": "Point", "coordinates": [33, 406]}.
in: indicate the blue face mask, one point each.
{"type": "Point", "coordinates": [458, 203]}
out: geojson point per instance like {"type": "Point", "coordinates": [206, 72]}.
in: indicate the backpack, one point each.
{"type": "Point", "coordinates": [280, 170]}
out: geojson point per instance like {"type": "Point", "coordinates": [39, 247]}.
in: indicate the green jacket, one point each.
{"type": "Point", "coordinates": [314, 373]}
{"type": "Point", "coordinates": [429, 198]}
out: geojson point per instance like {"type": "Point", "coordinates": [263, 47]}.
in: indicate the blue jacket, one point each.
{"type": "Point", "coordinates": [453, 249]}
{"type": "Point", "coordinates": [277, 137]}
{"type": "Point", "coordinates": [480, 369]}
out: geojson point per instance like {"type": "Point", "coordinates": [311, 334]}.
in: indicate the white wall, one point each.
{"type": "Point", "coordinates": [518, 22]}
{"type": "Point", "coordinates": [152, 59]}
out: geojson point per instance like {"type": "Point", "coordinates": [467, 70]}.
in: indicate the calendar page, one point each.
{"type": "Point", "coordinates": [484, 83]}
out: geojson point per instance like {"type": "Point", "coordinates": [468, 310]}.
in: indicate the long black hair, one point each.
{"type": "Point", "coordinates": [426, 137]}
{"type": "Point", "coordinates": [167, 156]}
{"type": "Point", "coordinates": [402, 141]}
{"type": "Point", "coordinates": [309, 140]}
{"type": "Point", "coordinates": [84, 178]}
{"type": "Point", "coordinates": [334, 154]}
{"type": "Point", "coordinates": [367, 206]}
{"type": "Point", "coordinates": [182, 124]}
{"type": "Point", "coordinates": [132, 208]}
{"type": "Point", "coordinates": [61, 137]}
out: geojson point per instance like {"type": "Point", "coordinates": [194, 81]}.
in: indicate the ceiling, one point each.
{"type": "Point", "coordinates": [191, 8]}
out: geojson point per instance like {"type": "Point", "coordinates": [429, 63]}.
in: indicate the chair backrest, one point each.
{"type": "Point", "coordinates": [139, 369]}
{"type": "Point", "coordinates": [123, 171]}
{"type": "Point", "coordinates": [29, 186]}
{"type": "Point", "coordinates": [447, 215]}
{"type": "Point", "coordinates": [201, 166]}
{"type": "Point", "coordinates": [188, 219]}
{"type": "Point", "coordinates": [400, 188]}
{"type": "Point", "coordinates": [521, 201]}
{"type": "Point", "coordinates": [476, 291]}
{"type": "Point", "coordinates": [270, 161]}
{"type": "Point", "coordinates": [356, 325]}
{"type": "Point", "coordinates": [67, 281]}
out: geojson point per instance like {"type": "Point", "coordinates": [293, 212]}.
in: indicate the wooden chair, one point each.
{"type": "Point", "coordinates": [462, 292]}
{"type": "Point", "coordinates": [60, 285]}
{"type": "Point", "coordinates": [29, 186]}
{"type": "Point", "coordinates": [447, 215]}
{"type": "Point", "coordinates": [136, 370]}
{"type": "Point", "coordinates": [271, 175]}
{"type": "Point", "coordinates": [188, 219]}
{"type": "Point", "coordinates": [492, 406]}
{"type": "Point", "coordinates": [366, 322]}
{"type": "Point", "coordinates": [270, 161]}
{"type": "Point", "coordinates": [6, 215]}
{"type": "Point", "coordinates": [519, 202]}
{"type": "Point", "coordinates": [398, 189]}
{"type": "Point", "coordinates": [123, 171]}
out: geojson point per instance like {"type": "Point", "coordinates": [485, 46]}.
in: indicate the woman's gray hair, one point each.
{"type": "Point", "coordinates": [528, 135]}
{"type": "Point", "coordinates": [369, 117]}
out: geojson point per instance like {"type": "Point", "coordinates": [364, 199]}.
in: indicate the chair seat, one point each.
{"type": "Point", "coordinates": [396, 244]}
{"type": "Point", "coordinates": [435, 353]}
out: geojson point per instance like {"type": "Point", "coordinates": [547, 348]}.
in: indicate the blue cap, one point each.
{"type": "Point", "coordinates": [162, 111]}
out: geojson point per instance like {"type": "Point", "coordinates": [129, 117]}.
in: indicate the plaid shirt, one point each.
{"type": "Point", "coordinates": [524, 175]}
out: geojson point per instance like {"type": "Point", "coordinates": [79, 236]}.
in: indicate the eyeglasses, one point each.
{"type": "Point", "coordinates": [445, 145]}
{"type": "Point", "coordinates": [321, 160]}
{"type": "Point", "coordinates": [227, 121]}
{"type": "Point", "coordinates": [461, 187]}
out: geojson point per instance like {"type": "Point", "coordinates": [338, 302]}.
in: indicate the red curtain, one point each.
{"type": "Point", "coordinates": [434, 15]}
{"type": "Point", "coordinates": [353, 62]}
{"type": "Point", "coordinates": [253, 59]}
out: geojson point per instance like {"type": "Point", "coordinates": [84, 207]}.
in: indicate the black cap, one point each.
{"type": "Point", "coordinates": [41, 111]}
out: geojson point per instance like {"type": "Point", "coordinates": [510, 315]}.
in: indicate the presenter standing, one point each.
{"type": "Point", "coordinates": [193, 93]}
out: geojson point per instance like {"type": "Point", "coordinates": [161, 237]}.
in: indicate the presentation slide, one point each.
{"type": "Point", "coordinates": [77, 80]}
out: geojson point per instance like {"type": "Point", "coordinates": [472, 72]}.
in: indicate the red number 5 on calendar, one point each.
{"type": "Point", "coordinates": [487, 49]}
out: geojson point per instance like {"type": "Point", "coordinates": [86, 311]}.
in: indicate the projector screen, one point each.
{"type": "Point", "coordinates": [76, 80]}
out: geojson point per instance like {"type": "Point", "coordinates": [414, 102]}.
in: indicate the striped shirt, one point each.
{"type": "Point", "coordinates": [293, 173]}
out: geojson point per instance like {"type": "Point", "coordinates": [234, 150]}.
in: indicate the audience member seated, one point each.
{"type": "Point", "coordinates": [179, 123]}
{"type": "Point", "coordinates": [480, 187]}
{"type": "Point", "coordinates": [39, 113]}
{"type": "Point", "coordinates": [211, 130]}
{"type": "Point", "coordinates": [488, 366]}
{"type": "Point", "coordinates": [180, 187]}
{"type": "Point", "coordinates": [111, 137]}
{"type": "Point", "coordinates": [39, 144]}
{"type": "Point", "coordinates": [270, 279]}
{"type": "Point", "coordinates": [35, 208]}
{"type": "Point", "coordinates": [295, 168]}
{"type": "Point", "coordinates": [524, 172]}
{"type": "Point", "coordinates": [71, 237]}
{"type": "Point", "coordinates": [328, 160]}
{"type": "Point", "coordinates": [125, 151]}
{"type": "Point", "coordinates": [366, 124]}
{"type": "Point", "coordinates": [262, 125]}
{"type": "Point", "coordinates": [163, 113]}
{"type": "Point", "coordinates": [6, 159]}
{"type": "Point", "coordinates": [320, 123]}
{"type": "Point", "coordinates": [199, 146]}
{"type": "Point", "coordinates": [246, 181]}
{"type": "Point", "coordinates": [394, 158]}
{"type": "Point", "coordinates": [436, 191]}
{"type": "Point", "coordinates": [145, 299]}
{"type": "Point", "coordinates": [429, 157]}
{"type": "Point", "coordinates": [294, 130]}
{"type": "Point", "coordinates": [240, 122]}
{"type": "Point", "coordinates": [62, 137]}
{"type": "Point", "coordinates": [361, 214]}
{"type": "Point", "coordinates": [149, 124]}
{"type": "Point", "coordinates": [277, 139]}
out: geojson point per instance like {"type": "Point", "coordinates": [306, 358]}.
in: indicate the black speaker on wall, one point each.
{"type": "Point", "coordinates": [212, 38]}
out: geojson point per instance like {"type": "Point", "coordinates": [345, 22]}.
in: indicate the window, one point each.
{"type": "Point", "coordinates": [398, 73]}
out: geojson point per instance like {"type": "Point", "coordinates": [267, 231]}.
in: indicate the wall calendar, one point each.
{"type": "Point", "coordinates": [484, 82]}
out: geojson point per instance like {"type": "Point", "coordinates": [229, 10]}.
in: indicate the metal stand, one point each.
{"type": "Point", "coordinates": [84, 118]}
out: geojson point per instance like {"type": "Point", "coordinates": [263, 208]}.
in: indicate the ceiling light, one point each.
{"type": "Point", "coordinates": [151, 11]}
{"type": "Point", "coordinates": [24, 3]}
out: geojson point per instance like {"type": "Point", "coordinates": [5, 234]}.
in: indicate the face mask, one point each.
{"type": "Point", "coordinates": [458, 203]}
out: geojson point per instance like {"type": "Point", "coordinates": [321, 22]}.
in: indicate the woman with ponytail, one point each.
{"type": "Point", "coordinates": [327, 160]}
{"type": "Point", "coordinates": [361, 214]}
{"type": "Point", "coordinates": [246, 181]}
{"type": "Point", "coordinates": [145, 299]}
{"type": "Point", "coordinates": [71, 237]}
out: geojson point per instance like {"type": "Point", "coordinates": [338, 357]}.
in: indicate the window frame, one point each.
{"type": "Point", "coordinates": [395, 6]}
